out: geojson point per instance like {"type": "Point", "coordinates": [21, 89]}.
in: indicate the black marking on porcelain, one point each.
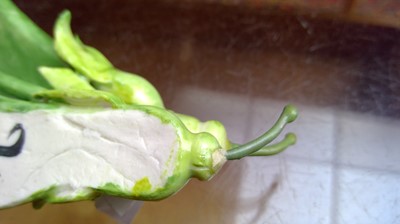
{"type": "Point", "coordinates": [16, 148]}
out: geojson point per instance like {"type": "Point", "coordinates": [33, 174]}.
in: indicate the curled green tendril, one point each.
{"type": "Point", "coordinates": [289, 114]}
{"type": "Point", "coordinates": [269, 150]}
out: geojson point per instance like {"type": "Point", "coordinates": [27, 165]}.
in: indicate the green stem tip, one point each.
{"type": "Point", "coordinates": [288, 115]}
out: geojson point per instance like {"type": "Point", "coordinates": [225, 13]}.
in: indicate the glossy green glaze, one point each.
{"type": "Point", "coordinates": [89, 62]}
{"type": "Point", "coordinates": [93, 83]}
{"type": "Point", "coordinates": [24, 46]}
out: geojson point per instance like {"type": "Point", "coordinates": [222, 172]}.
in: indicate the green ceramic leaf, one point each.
{"type": "Point", "coordinates": [24, 46]}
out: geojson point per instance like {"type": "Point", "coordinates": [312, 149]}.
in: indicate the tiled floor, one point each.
{"type": "Point", "coordinates": [343, 170]}
{"type": "Point", "coordinates": [369, 142]}
{"type": "Point", "coordinates": [241, 66]}
{"type": "Point", "coordinates": [368, 196]}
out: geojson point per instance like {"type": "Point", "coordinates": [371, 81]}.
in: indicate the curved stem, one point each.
{"type": "Point", "coordinates": [288, 115]}
{"type": "Point", "coordinates": [290, 139]}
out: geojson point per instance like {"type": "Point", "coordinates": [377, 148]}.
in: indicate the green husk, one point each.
{"type": "Point", "coordinates": [18, 88]}
{"type": "Point", "coordinates": [65, 78]}
{"type": "Point", "coordinates": [24, 46]}
{"type": "Point", "coordinates": [33, 77]}
{"type": "Point", "coordinates": [91, 63]}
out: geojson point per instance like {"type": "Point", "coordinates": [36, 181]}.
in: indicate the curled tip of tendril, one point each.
{"type": "Point", "coordinates": [291, 112]}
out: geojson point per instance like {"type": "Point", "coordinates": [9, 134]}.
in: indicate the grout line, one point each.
{"type": "Point", "coordinates": [341, 165]}
{"type": "Point", "coordinates": [249, 120]}
{"type": "Point", "coordinates": [335, 189]}
{"type": "Point", "coordinates": [366, 168]}
{"type": "Point", "coordinates": [250, 110]}
{"type": "Point", "coordinates": [306, 160]}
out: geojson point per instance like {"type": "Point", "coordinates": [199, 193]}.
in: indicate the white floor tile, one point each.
{"type": "Point", "coordinates": [279, 190]}
{"type": "Point", "coordinates": [368, 141]}
{"type": "Point", "coordinates": [368, 197]}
